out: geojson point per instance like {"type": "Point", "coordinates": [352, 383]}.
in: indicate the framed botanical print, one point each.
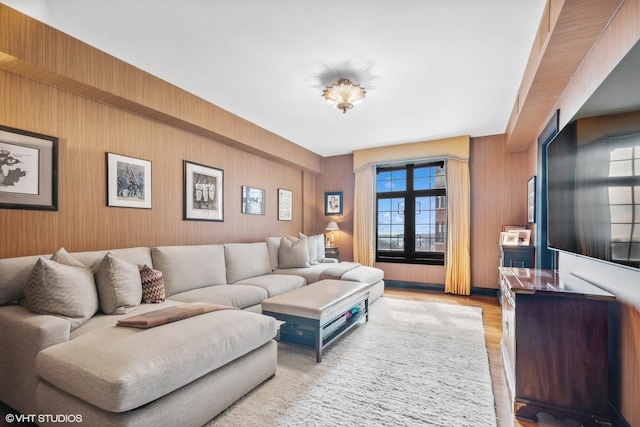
{"type": "Point", "coordinates": [28, 170]}
{"type": "Point", "coordinates": [285, 205]}
{"type": "Point", "coordinates": [128, 182]}
{"type": "Point", "coordinates": [203, 192]}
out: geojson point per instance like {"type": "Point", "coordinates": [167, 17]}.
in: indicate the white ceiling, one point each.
{"type": "Point", "coordinates": [432, 68]}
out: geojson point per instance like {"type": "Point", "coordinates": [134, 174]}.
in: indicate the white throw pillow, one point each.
{"type": "Point", "coordinates": [320, 243]}
{"type": "Point", "coordinates": [62, 290]}
{"type": "Point", "coordinates": [119, 285]}
{"type": "Point", "coordinates": [313, 248]}
{"type": "Point", "coordinates": [293, 255]}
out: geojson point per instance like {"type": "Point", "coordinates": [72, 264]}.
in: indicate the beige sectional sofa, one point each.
{"type": "Point", "coordinates": [79, 363]}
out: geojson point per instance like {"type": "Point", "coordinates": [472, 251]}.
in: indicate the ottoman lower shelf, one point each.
{"type": "Point", "coordinates": [313, 329]}
{"type": "Point", "coordinates": [310, 333]}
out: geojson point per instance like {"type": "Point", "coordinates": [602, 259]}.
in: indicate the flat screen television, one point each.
{"type": "Point", "coordinates": [593, 195]}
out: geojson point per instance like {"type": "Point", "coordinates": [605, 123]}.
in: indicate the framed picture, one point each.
{"type": "Point", "coordinates": [28, 170]}
{"type": "Point", "coordinates": [285, 205]}
{"type": "Point", "coordinates": [514, 227]}
{"type": "Point", "coordinates": [524, 237]}
{"type": "Point", "coordinates": [203, 192]}
{"type": "Point", "coordinates": [333, 203]}
{"type": "Point", "coordinates": [531, 200]}
{"type": "Point", "coordinates": [253, 200]}
{"type": "Point", "coordinates": [128, 182]}
{"type": "Point", "coordinates": [510, 237]}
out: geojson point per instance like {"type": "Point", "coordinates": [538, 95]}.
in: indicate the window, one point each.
{"type": "Point", "coordinates": [411, 205]}
{"type": "Point", "coordinates": [624, 204]}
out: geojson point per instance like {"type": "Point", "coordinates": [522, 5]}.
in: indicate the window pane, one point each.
{"type": "Point", "coordinates": [424, 178]}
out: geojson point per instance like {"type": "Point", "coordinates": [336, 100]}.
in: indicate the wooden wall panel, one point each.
{"type": "Point", "coordinates": [498, 197]}
{"type": "Point", "coordinates": [31, 48]}
{"type": "Point", "coordinates": [338, 176]}
{"type": "Point", "coordinates": [87, 130]}
{"type": "Point", "coordinates": [629, 379]}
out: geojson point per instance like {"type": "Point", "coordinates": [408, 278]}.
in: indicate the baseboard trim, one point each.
{"type": "Point", "coordinates": [434, 287]}
{"type": "Point", "coordinates": [617, 419]}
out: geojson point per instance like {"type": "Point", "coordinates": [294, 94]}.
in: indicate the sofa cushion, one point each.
{"type": "Point", "coordinates": [244, 260]}
{"type": "Point", "coordinates": [62, 290]}
{"type": "Point", "coordinates": [273, 245]}
{"type": "Point", "coordinates": [274, 284]}
{"type": "Point", "coordinates": [293, 254]}
{"type": "Point", "coordinates": [152, 285]}
{"type": "Point", "coordinates": [240, 296]}
{"type": "Point", "coordinates": [119, 285]}
{"type": "Point", "coordinates": [190, 267]}
{"type": "Point", "coordinates": [119, 369]}
{"type": "Point", "coordinates": [14, 273]}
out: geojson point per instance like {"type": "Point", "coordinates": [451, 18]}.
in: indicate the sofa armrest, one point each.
{"type": "Point", "coordinates": [24, 334]}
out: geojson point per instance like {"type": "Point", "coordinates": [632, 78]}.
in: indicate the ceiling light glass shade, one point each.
{"type": "Point", "coordinates": [344, 94]}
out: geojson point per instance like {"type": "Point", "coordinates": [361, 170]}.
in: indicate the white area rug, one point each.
{"type": "Point", "coordinates": [413, 364]}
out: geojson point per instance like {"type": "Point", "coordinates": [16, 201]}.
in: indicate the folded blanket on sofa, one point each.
{"type": "Point", "coordinates": [337, 271]}
{"type": "Point", "coordinates": [171, 314]}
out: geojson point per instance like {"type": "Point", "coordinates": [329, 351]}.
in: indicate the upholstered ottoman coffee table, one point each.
{"type": "Point", "coordinates": [317, 314]}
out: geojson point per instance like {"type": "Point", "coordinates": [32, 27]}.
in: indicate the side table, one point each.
{"type": "Point", "coordinates": [332, 252]}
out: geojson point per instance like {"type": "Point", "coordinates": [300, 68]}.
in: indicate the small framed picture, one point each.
{"type": "Point", "coordinates": [531, 200]}
{"type": "Point", "coordinates": [203, 192]}
{"type": "Point", "coordinates": [510, 237]}
{"type": "Point", "coordinates": [285, 205]}
{"type": "Point", "coordinates": [253, 200]}
{"type": "Point", "coordinates": [524, 237]}
{"type": "Point", "coordinates": [128, 182]}
{"type": "Point", "coordinates": [333, 203]}
{"type": "Point", "coordinates": [28, 170]}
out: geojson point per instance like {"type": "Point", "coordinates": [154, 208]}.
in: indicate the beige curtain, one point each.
{"type": "Point", "coordinates": [363, 221]}
{"type": "Point", "coordinates": [458, 261]}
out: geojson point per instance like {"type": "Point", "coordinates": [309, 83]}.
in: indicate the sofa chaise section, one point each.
{"type": "Point", "coordinates": [119, 369]}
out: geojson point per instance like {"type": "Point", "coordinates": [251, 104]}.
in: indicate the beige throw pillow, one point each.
{"type": "Point", "coordinates": [119, 285]}
{"type": "Point", "coordinates": [63, 257]}
{"type": "Point", "coordinates": [62, 290]}
{"type": "Point", "coordinates": [293, 255]}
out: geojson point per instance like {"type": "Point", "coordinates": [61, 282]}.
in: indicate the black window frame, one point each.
{"type": "Point", "coordinates": [409, 255]}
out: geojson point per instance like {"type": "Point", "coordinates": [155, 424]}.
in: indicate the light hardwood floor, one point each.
{"type": "Point", "coordinates": [493, 332]}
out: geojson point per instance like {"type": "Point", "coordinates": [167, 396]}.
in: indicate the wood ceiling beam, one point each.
{"type": "Point", "coordinates": [567, 33]}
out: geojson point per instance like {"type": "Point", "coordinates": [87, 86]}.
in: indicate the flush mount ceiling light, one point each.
{"type": "Point", "coordinates": [344, 94]}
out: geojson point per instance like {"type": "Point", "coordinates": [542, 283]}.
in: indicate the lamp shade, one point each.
{"type": "Point", "coordinates": [332, 226]}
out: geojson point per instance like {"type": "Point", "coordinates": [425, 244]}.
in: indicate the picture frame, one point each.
{"type": "Point", "coordinates": [524, 237]}
{"type": "Point", "coordinates": [285, 205]}
{"type": "Point", "coordinates": [531, 200]}
{"type": "Point", "coordinates": [203, 192]}
{"type": "Point", "coordinates": [333, 203]}
{"type": "Point", "coordinates": [28, 170]}
{"type": "Point", "coordinates": [253, 200]}
{"type": "Point", "coordinates": [514, 227]}
{"type": "Point", "coordinates": [510, 237]}
{"type": "Point", "coordinates": [128, 182]}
